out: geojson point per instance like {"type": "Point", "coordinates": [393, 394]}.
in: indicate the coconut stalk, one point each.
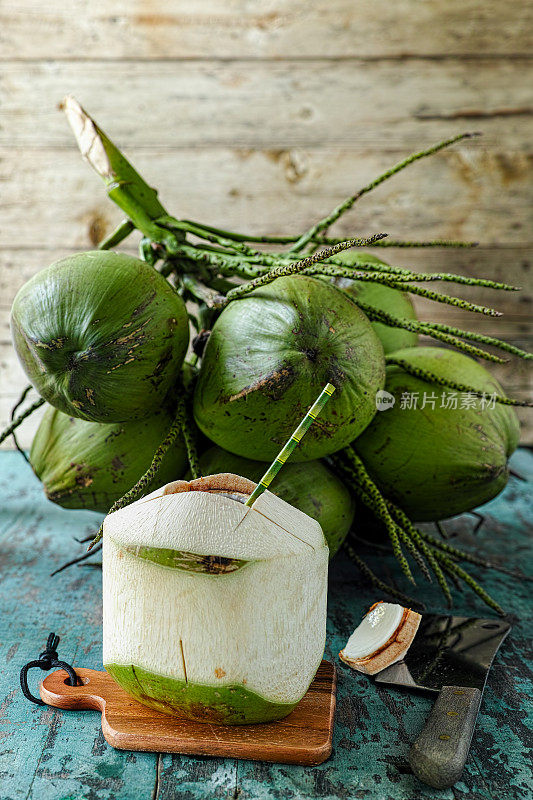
{"type": "Point", "coordinates": [169, 236]}
{"type": "Point", "coordinates": [124, 185]}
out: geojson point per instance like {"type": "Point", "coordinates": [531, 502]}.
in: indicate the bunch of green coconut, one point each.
{"type": "Point", "coordinates": [201, 357]}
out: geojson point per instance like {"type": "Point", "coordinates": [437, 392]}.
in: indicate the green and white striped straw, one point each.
{"type": "Point", "coordinates": [293, 442]}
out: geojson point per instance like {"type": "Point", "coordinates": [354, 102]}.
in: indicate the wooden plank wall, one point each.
{"type": "Point", "coordinates": [262, 116]}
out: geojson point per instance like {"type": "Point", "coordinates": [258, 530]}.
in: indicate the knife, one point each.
{"type": "Point", "coordinates": [450, 656]}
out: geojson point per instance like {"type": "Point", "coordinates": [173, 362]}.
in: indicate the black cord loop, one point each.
{"type": "Point", "coordinates": [46, 661]}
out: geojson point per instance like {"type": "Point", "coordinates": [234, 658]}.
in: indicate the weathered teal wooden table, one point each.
{"type": "Point", "coordinates": [46, 754]}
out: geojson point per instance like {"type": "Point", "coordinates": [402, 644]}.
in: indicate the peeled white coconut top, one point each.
{"type": "Point", "coordinates": [210, 523]}
{"type": "Point", "coordinates": [374, 631]}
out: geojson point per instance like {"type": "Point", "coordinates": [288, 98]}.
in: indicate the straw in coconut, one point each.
{"type": "Point", "coordinates": [293, 442]}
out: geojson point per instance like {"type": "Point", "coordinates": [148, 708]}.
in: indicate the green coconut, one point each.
{"type": "Point", "coordinates": [311, 486]}
{"type": "Point", "coordinates": [89, 465]}
{"type": "Point", "coordinates": [269, 356]}
{"type": "Point", "coordinates": [438, 462]}
{"type": "Point", "coordinates": [101, 336]}
{"type": "Point", "coordinates": [382, 298]}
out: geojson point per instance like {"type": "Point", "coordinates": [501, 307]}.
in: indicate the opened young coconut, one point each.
{"type": "Point", "coordinates": [213, 609]}
{"type": "Point", "coordinates": [383, 638]}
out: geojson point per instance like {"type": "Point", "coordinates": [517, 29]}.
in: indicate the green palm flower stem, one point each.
{"type": "Point", "coordinates": [469, 580]}
{"type": "Point", "coordinates": [458, 554]}
{"type": "Point", "coordinates": [377, 582]}
{"type": "Point", "coordinates": [189, 429]}
{"type": "Point", "coordinates": [453, 578]}
{"type": "Point", "coordinates": [506, 347]}
{"type": "Point", "coordinates": [400, 283]}
{"type": "Point", "coordinates": [266, 259]}
{"type": "Point", "coordinates": [291, 239]}
{"type": "Point", "coordinates": [438, 297]}
{"type": "Point", "coordinates": [411, 542]}
{"type": "Point", "coordinates": [430, 377]}
{"type": "Point", "coordinates": [341, 209]}
{"type": "Point", "coordinates": [461, 555]}
{"type": "Point", "coordinates": [433, 550]}
{"type": "Point", "coordinates": [402, 243]}
{"type": "Point", "coordinates": [192, 452]}
{"type": "Point", "coordinates": [439, 546]}
{"type": "Point", "coordinates": [20, 401]}
{"type": "Point", "coordinates": [413, 532]}
{"type": "Point", "coordinates": [20, 418]}
{"type": "Point", "coordinates": [367, 490]}
{"type": "Point", "coordinates": [440, 333]}
{"type": "Point", "coordinates": [361, 261]}
{"type": "Point", "coordinates": [298, 266]}
{"type": "Point", "coordinates": [416, 545]}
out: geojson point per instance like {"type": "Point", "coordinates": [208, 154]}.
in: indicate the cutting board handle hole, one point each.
{"type": "Point", "coordinates": [81, 682]}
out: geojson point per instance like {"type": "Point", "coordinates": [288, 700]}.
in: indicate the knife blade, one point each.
{"type": "Point", "coordinates": [450, 656]}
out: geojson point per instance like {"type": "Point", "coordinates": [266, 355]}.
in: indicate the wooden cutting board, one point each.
{"type": "Point", "coordinates": [304, 737]}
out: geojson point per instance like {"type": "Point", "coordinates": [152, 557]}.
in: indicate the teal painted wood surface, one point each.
{"type": "Point", "coordinates": [47, 754]}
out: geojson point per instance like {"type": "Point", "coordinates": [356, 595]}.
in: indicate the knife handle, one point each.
{"type": "Point", "coordinates": [438, 755]}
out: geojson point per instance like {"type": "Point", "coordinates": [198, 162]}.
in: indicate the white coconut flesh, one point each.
{"type": "Point", "coordinates": [259, 623]}
{"type": "Point", "coordinates": [382, 638]}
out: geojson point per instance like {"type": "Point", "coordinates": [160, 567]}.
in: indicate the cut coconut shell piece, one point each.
{"type": "Point", "coordinates": [383, 638]}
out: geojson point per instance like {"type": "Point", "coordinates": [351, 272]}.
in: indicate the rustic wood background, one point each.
{"type": "Point", "coordinates": [263, 115]}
